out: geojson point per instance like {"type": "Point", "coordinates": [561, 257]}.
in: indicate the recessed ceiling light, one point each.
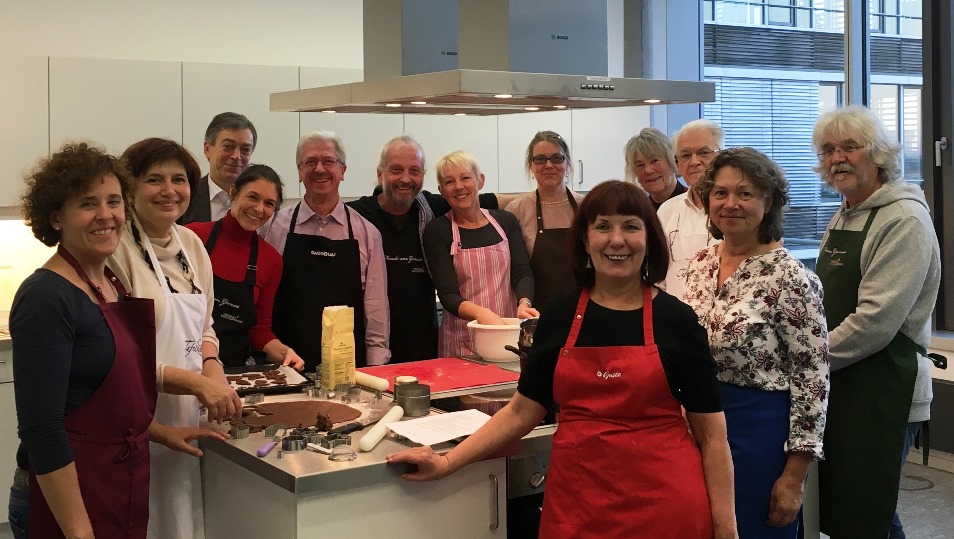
{"type": "Point", "coordinates": [329, 111]}
{"type": "Point", "coordinates": [531, 109]}
{"type": "Point", "coordinates": [418, 102]}
{"type": "Point", "coordinates": [503, 96]}
{"type": "Point", "coordinates": [559, 106]}
{"type": "Point", "coordinates": [460, 114]}
{"type": "Point", "coordinates": [651, 101]}
{"type": "Point", "coordinates": [392, 105]}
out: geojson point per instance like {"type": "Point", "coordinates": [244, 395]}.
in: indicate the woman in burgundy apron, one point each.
{"type": "Point", "coordinates": [247, 271]}
{"type": "Point", "coordinates": [545, 216]}
{"type": "Point", "coordinates": [473, 275]}
{"type": "Point", "coordinates": [623, 463]}
{"type": "Point", "coordinates": [105, 382]}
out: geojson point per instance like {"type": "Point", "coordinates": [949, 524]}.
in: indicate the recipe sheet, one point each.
{"type": "Point", "coordinates": [439, 428]}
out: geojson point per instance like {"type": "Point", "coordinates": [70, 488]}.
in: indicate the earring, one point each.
{"type": "Point", "coordinates": [589, 261]}
{"type": "Point", "coordinates": [56, 227]}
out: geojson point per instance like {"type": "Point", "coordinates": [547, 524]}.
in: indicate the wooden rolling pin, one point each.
{"type": "Point", "coordinates": [370, 382]}
{"type": "Point", "coordinates": [377, 432]}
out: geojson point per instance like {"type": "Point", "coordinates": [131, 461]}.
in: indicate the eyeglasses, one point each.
{"type": "Point", "coordinates": [704, 154]}
{"type": "Point", "coordinates": [326, 162]}
{"type": "Point", "coordinates": [556, 159]}
{"type": "Point", "coordinates": [830, 151]}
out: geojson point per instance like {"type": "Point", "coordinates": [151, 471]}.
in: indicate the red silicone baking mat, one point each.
{"type": "Point", "coordinates": [444, 374]}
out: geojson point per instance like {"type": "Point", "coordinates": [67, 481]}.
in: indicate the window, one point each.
{"type": "Point", "coordinates": [829, 97]}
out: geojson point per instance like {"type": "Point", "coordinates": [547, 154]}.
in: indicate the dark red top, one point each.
{"type": "Point", "coordinates": [229, 261]}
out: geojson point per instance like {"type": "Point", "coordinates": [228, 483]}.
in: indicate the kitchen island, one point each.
{"type": "Point", "coordinates": [303, 494]}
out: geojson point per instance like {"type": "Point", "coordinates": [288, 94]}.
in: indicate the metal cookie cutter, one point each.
{"type": "Point", "coordinates": [293, 442]}
{"type": "Point", "coordinates": [239, 431]}
{"type": "Point", "coordinates": [353, 395]}
{"type": "Point", "coordinates": [254, 398]}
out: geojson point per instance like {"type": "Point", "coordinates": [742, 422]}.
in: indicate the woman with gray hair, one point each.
{"type": "Point", "coordinates": [767, 331]}
{"type": "Point", "coordinates": [651, 161]}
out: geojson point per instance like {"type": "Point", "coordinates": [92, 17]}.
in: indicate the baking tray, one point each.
{"type": "Point", "coordinates": [295, 380]}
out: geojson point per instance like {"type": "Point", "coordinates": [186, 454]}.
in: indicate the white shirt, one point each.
{"type": "Point", "coordinates": [219, 202]}
{"type": "Point", "coordinates": [687, 233]}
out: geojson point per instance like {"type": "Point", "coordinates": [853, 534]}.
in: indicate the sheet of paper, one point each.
{"type": "Point", "coordinates": [439, 428]}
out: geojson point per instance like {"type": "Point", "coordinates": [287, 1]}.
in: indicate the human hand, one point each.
{"type": "Point", "coordinates": [525, 311]}
{"type": "Point", "coordinates": [490, 318]}
{"type": "Point", "coordinates": [180, 438]}
{"type": "Point", "coordinates": [430, 465]}
{"type": "Point", "coordinates": [292, 360]}
{"type": "Point", "coordinates": [786, 501]}
{"type": "Point", "coordinates": [221, 401]}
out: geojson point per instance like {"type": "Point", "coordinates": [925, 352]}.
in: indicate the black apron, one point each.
{"type": "Point", "coordinates": [410, 291]}
{"type": "Point", "coordinates": [234, 312]}
{"type": "Point", "coordinates": [867, 409]}
{"type": "Point", "coordinates": [550, 261]}
{"type": "Point", "coordinates": [318, 272]}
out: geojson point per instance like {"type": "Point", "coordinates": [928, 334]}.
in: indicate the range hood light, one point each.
{"type": "Point", "coordinates": [531, 109]}
{"type": "Point", "coordinates": [560, 107]}
{"type": "Point", "coordinates": [460, 114]}
{"type": "Point", "coordinates": [392, 105]}
{"type": "Point", "coordinates": [651, 101]}
{"type": "Point", "coordinates": [329, 111]}
{"type": "Point", "coordinates": [503, 96]}
{"type": "Point", "coordinates": [418, 102]}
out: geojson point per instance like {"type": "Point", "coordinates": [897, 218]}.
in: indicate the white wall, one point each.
{"type": "Point", "coordinates": [320, 33]}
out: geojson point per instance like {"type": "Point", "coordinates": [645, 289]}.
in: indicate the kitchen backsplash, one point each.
{"type": "Point", "coordinates": [20, 255]}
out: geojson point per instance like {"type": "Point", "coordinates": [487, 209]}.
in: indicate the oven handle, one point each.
{"type": "Point", "coordinates": [495, 523]}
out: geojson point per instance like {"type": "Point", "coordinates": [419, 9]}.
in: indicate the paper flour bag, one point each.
{"type": "Point", "coordinates": [337, 346]}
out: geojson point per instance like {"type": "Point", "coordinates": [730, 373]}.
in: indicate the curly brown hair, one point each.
{"type": "Point", "coordinates": [67, 173]}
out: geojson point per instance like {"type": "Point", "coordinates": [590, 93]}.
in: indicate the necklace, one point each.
{"type": "Point", "coordinates": [564, 201]}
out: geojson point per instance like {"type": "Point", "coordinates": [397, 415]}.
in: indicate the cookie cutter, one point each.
{"type": "Point", "coordinates": [239, 431]}
{"type": "Point", "coordinates": [293, 443]}
{"type": "Point", "coordinates": [272, 430]}
{"type": "Point", "coordinates": [254, 398]}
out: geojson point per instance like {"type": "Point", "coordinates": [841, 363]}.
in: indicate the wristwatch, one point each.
{"type": "Point", "coordinates": [213, 358]}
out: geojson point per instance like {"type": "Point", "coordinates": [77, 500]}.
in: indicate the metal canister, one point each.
{"type": "Point", "coordinates": [415, 399]}
{"type": "Point", "coordinates": [400, 381]}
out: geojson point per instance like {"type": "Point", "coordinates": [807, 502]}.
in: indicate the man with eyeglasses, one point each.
{"type": "Point", "coordinates": [229, 142]}
{"type": "Point", "coordinates": [880, 267]}
{"type": "Point", "coordinates": [682, 217]}
{"type": "Point", "coordinates": [331, 255]}
{"type": "Point", "coordinates": [400, 210]}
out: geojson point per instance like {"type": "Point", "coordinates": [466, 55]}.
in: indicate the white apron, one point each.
{"type": "Point", "coordinates": [175, 486]}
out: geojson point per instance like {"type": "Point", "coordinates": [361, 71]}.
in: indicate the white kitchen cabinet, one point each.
{"type": "Point", "coordinates": [599, 138]}
{"type": "Point", "coordinates": [114, 102]}
{"type": "Point", "coordinates": [8, 424]}
{"type": "Point", "coordinates": [209, 89]}
{"type": "Point", "coordinates": [514, 132]}
{"type": "Point", "coordinates": [363, 135]}
{"type": "Point", "coordinates": [23, 110]}
{"type": "Point", "coordinates": [440, 135]}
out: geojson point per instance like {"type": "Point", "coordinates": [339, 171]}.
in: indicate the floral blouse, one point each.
{"type": "Point", "coordinates": [767, 330]}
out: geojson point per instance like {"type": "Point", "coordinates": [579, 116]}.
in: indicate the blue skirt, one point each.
{"type": "Point", "coordinates": [758, 424]}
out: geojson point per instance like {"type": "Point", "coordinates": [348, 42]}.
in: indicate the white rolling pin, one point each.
{"type": "Point", "coordinates": [370, 382]}
{"type": "Point", "coordinates": [377, 432]}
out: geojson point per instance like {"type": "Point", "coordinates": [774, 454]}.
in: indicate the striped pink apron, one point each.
{"type": "Point", "coordinates": [483, 274]}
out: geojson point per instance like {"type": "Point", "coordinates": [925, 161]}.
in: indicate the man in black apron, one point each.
{"type": "Point", "coordinates": [400, 210]}
{"type": "Point", "coordinates": [880, 267]}
{"type": "Point", "coordinates": [331, 256]}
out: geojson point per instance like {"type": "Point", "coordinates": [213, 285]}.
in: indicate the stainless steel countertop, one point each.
{"type": "Point", "coordinates": [308, 471]}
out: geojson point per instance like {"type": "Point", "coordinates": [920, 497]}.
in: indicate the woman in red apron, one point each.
{"type": "Point", "coordinates": [247, 271]}
{"type": "Point", "coordinates": [621, 359]}
{"type": "Point", "coordinates": [546, 214]}
{"type": "Point", "coordinates": [83, 358]}
{"type": "Point", "coordinates": [476, 257]}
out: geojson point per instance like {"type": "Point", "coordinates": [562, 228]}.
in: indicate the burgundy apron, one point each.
{"type": "Point", "coordinates": [623, 462]}
{"type": "Point", "coordinates": [109, 433]}
{"type": "Point", "coordinates": [483, 274]}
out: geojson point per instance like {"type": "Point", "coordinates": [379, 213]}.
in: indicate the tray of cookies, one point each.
{"type": "Point", "coordinates": [269, 379]}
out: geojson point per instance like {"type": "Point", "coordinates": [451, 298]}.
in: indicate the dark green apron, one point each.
{"type": "Point", "coordinates": [867, 408]}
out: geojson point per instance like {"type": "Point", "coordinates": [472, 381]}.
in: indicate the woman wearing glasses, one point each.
{"type": "Point", "coordinates": [650, 160]}
{"type": "Point", "coordinates": [247, 271]}
{"type": "Point", "coordinates": [545, 215]}
{"type": "Point", "coordinates": [476, 257]}
{"type": "Point", "coordinates": [767, 331]}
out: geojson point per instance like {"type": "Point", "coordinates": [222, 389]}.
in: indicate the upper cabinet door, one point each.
{"type": "Point", "coordinates": [599, 138]}
{"type": "Point", "coordinates": [515, 131]}
{"type": "Point", "coordinates": [363, 135]}
{"type": "Point", "coordinates": [208, 89]}
{"type": "Point", "coordinates": [114, 102]}
{"type": "Point", "coordinates": [440, 135]}
{"type": "Point", "coordinates": [24, 99]}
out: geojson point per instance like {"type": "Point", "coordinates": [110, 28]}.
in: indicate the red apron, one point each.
{"type": "Point", "coordinates": [109, 433]}
{"type": "Point", "coordinates": [623, 462]}
{"type": "Point", "coordinates": [483, 274]}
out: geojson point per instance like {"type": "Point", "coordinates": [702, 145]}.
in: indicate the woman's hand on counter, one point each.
{"type": "Point", "coordinates": [430, 465]}
{"type": "Point", "coordinates": [180, 438]}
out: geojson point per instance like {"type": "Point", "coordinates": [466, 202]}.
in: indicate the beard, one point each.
{"type": "Point", "coordinates": [401, 200]}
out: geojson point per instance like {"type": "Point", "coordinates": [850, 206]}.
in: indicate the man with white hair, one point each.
{"type": "Point", "coordinates": [331, 255]}
{"type": "Point", "coordinates": [682, 217]}
{"type": "Point", "coordinates": [880, 267]}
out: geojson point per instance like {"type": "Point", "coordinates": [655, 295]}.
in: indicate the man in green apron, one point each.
{"type": "Point", "coordinates": [880, 266]}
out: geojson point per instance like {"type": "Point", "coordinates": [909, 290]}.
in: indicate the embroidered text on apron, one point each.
{"type": "Point", "coordinates": [867, 408]}
{"type": "Point", "coordinates": [110, 441]}
{"type": "Point", "coordinates": [623, 462]}
{"type": "Point", "coordinates": [550, 259]}
{"type": "Point", "coordinates": [175, 491]}
{"type": "Point", "coordinates": [483, 274]}
{"type": "Point", "coordinates": [233, 314]}
{"type": "Point", "coordinates": [318, 272]}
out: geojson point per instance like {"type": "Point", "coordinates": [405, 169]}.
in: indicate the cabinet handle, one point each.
{"type": "Point", "coordinates": [580, 161]}
{"type": "Point", "coordinates": [495, 523]}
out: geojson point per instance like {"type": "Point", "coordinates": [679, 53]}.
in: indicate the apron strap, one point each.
{"type": "Point", "coordinates": [578, 318]}
{"type": "Point", "coordinates": [871, 216]}
{"type": "Point", "coordinates": [71, 260]}
{"type": "Point", "coordinates": [252, 268]}
{"type": "Point", "coordinates": [570, 199]}
{"type": "Point", "coordinates": [648, 338]}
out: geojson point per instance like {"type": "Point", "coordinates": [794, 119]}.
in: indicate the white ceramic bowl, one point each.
{"type": "Point", "coordinates": [490, 339]}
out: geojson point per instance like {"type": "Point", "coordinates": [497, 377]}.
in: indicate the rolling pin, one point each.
{"type": "Point", "coordinates": [370, 382]}
{"type": "Point", "coordinates": [377, 432]}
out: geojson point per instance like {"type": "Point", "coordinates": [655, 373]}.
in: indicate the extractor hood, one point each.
{"type": "Point", "coordinates": [475, 57]}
